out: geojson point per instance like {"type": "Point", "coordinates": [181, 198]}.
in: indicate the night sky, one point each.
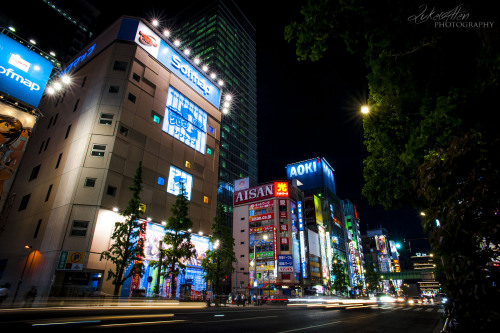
{"type": "Point", "coordinates": [305, 109]}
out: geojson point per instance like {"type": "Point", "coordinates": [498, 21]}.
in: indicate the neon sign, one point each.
{"type": "Point", "coordinates": [281, 189]}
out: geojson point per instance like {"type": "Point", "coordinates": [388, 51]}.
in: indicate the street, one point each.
{"type": "Point", "coordinates": [279, 319]}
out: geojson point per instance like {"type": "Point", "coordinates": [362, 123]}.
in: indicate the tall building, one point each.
{"type": "Point", "coordinates": [354, 244]}
{"type": "Point", "coordinates": [323, 216]}
{"type": "Point", "coordinates": [133, 97]}
{"type": "Point", "coordinates": [223, 38]}
{"type": "Point", "coordinates": [67, 25]}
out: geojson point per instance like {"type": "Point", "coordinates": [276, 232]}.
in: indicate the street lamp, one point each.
{"type": "Point", "coordinates": [29, 248]}
{"type": "Point", "coordinates": [264, 239]}
{"type": "Point", "coordinates": [365, 109]}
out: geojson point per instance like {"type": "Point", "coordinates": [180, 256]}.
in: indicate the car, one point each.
{"type": "Point", "coordinates": [440, 298]}
{"type": "Point", "coordinates": [414, 300]}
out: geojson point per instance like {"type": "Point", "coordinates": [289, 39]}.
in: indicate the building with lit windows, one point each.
{"type": "Point", "coordinates": [354, 244]}
{"type": "Point", "coordinates": [133, 97]}
{"type": "Point", "coordinates": [323, 218]}
{"type": "Point", "coordinates": [223, 38]}
{"type": "Point", "coordinates": [269, 240]}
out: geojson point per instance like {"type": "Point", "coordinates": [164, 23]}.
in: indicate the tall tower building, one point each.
{"type": "Point", "coordinates": [223, 38]}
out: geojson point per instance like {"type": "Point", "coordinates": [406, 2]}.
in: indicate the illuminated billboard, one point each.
{"type": "Point", "coordinates": [15, 129]}
{"type": "Point", "coordinates": [176, 177]}
{"type": "Point", "coordinates": [185, 121]}
{"type": "Point", "coordinates": [23, 72]}
{"type": "Point", "coordinates": [312, 173]}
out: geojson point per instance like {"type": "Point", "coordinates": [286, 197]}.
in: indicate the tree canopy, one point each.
{"type": "Point", "coordinates": [433, 81]}
{"type": "Point", "coordinates": [127, 248]}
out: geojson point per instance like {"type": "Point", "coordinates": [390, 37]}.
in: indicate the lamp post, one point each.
{"type": "Point", "coordinates": [29, 248]}
{"type": "Point", "coordinates": [255, 263]}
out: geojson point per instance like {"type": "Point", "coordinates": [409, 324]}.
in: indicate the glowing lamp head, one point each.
{"type": "Point", "coordinates": [365, 109]}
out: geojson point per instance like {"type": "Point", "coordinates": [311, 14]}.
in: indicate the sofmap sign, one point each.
{"type": "Point", "coordinates": [312, 173]}
{"type": "Point", "coordinates": [23, 73]}
{"type": "Point", "coordinates": [170, 58]}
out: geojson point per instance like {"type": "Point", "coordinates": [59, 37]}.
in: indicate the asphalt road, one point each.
{"type": "Point", "coordinates": [277, 319]}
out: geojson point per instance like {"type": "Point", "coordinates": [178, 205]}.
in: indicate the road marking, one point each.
{"type": "Point", "coordinates": [418, 309]}
{"type": "Point", "coordinates": [145, 323]}
{"type": "Point", "coordinates": [239, 319]}
{"type": "Point", "coordinates": [309, 327]}
{"type": "Point", "coordinates": [429, 310]}
{"type": "Point", "coordinates": [440, 310]}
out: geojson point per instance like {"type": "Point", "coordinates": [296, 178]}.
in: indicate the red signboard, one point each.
{"type": "Point", "coordinates": [283, 227]}
{"type": "Point", "coordinates": [284, 240]}
{"type": "Point", "coordinates": [281, 189]}
{"type": "Point", "coordinates": [254, 194]}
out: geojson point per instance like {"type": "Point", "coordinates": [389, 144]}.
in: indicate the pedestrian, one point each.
{"type": "Point", "coordinates": [259, 300]}
{"type": "Point", "coordinates": [238, 299]}
{"type": "Point", "coordinates": [30, 296]}
{"type": "Point", "coordinates": [243, 299]}
{"type": "Point", "coordinates": [4, 292]}
{"type": "Point", "coordinates": [254, 300]}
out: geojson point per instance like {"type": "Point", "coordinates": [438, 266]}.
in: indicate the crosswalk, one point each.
{"type": "Point", "coordinates": [412, 308]}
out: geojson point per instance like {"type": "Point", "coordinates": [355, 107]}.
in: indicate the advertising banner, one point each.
{"type": "Point", "coordinates": [263, 228]}
{"type": "Point", "coordinates": [260, 205]}
{"type": "Point", "coordinates": [185, 121]}
{"type": "Point", "coordinates": [312, 173]}
{"type": "Point", "coordinates": [261, 217]}
{"type": "Point", "coordinates": [23, 72]}
{"type": "Point", "coordinates": [176, 177]}
{"type": "Point", "coordinates": [15, 129]}
{"type": "Point", "coordinates": [71, 261]}
{"type": "Point", "coordinates": [254, 194]}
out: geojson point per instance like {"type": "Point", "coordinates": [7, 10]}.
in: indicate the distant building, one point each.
{"type": "Point", "coordinates": [222, 37]}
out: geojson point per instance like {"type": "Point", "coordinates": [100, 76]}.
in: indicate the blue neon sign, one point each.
{"type": "Point", "coordinates": [312, 173]}
{"type": "Point", "coordinates": [147, 39]}
{"type": "Point", "coordinates": [303, 259]}
{"type": "Point", "coordinates": [23, 73]}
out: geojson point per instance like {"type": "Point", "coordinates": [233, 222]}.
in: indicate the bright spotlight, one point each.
{"type": "Point", "coordinates": [66, 79]}
{"type": "Point", "coordinates": [213, 75]}
{"type": "Point", "coordinates": [205, 68]}
{"type": "Point", "coordinates": [51, 90]}
{"type": "Point", "coordinates": [187, 51]}
{"type": "Point", "coordinates": [225, 110]}
{"type": "Point", "coordinates": [221, 83]}
{"type": "Point", "coordinates": [57, 86]}
{"type": "Point", "coordinates": [197, 61]}
{"type": "Point", "coordinates": [166, 33]}
{"type": "Point", "coordinates": [177, 42]}
{"type": "Point", "coordinates": [228, 97]}
{"type": "Point", "coordinates": [155, 23]}
{"type": "Point", "coordinates": [365, 109]}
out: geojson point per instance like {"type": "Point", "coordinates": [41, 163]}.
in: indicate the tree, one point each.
{"type": "Point", "coordinates": [339, 275]}
{"type": "Point", "coordinates": [372, 278]}
{"type": "Point", "coordinates": [127, 248]}
{"type": "Point", "coordinates": [219, 262]}
{"type": "Point", "coordinates": [177, 241]}
{"type": "Point", "coordinates": [430, 94]}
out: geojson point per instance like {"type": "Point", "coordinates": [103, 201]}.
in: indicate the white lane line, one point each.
{"type": "Point", "coordinates": [239, 319]}
{"type": "Point", "coordinates": [309, 327]}
{"type": "Point", "coordinates": [429, 310]}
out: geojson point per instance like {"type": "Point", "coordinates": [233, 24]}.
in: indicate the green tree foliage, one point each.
{"type": "Point", "coordinates": [431, 92]}
{"type": "Point", "coordinates": [339, 276]}
{"type": "Point", "coordinates": [177, 241]}
{"type": "Point", "coordinates": [372, 278]}
{"type": "Point", "coordinates": [127, 248]}
{"type": "Point", "coordinates": [219, 262]}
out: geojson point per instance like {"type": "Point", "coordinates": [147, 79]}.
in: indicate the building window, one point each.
{"type": "Point", "coordinates": [79, 228]}
{"type": "Point", "coordinates": [136, 77]}
{"type": "Point", "coordinates": [156, 117]}
{"type": "Point", "coordinates": [41, 147]}
{"type": "Point", "coordinates": [83, 82]}
{"type": "Point", "coordinates": [58, 161]}
{"type": "Point", "coordinates": [120, 66]}
{"type": "Point", "coordinates": [209, 151]}
{"type": "Point", "coordinates": [46, 144]}
{"type": "Point", "coordinates": [76, 105]}
{"type": "Point", "coordinates": [89, 182]}
{"type": "Point", "coordinates": [55, 119]}
{"type": "Point", "coordinates": [161, 181]}
{"type": "Point", "coordinates": [131, 97]}
{"type": "Point", "coordinates": [48, 193]}
{"type": "Point", "coordinates": [114, 89]}
{"type": "Point", "coordinates": [188, 164]}
{"type": "Point", "coordinates": [24, 202]}
{"type": "Point", "coordinates": [285, 247]}
{"type": "Point", "coordinates": [98, 150]}
{"type": "Point", "coordinates": [38, 225]}
{"type": "Point", "coordinates": [210, 130]}
{"type": "Point", "coordinates": [106, 119]}
{"type": "Point", "coordinates": [34, 172]}
{"type": "Point", "coordinates": [242, 256]}
{"type": "Point", "coordinates": [111, 191]}
{"type": "Point", "coordinates": [123, 131]}
{"type": "Point", "coordinates": [67, 131]}
{"type": "Point", "coordinates": [205, 199]}
{"type": "Point", "coordinates": [50, 122]}
{"type": "Point", "coordinates": [242, 230]}
{"type": "Point", "coordinates": [242, 242]}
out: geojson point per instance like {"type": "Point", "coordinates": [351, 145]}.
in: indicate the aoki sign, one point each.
{"type": "Point", "coordinates": [312, 173]}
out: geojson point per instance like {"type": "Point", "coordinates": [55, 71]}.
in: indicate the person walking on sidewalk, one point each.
{"type": "Point", "coordinates": [243, 299]}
